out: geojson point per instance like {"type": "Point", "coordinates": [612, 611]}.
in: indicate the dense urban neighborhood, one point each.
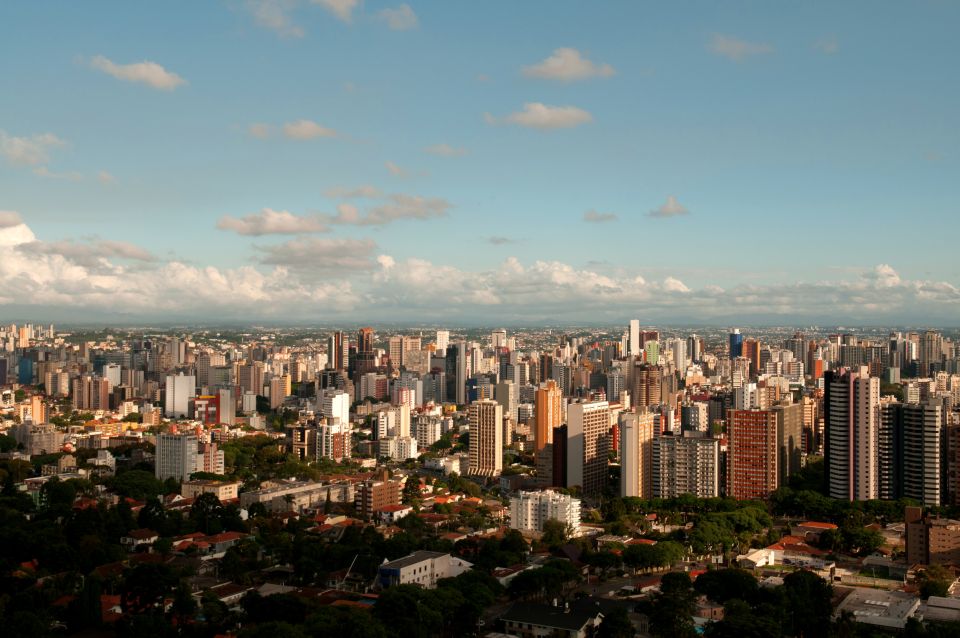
{"type": "Point", "coordinates": [576, 482]}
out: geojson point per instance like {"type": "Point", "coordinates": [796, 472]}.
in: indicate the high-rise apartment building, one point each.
{"type": "Point", "coordinates": [530, 510]}
{"type": "Point", "coordinates": [687, 464]}
{"type": "Point", "coordinates": [588, 446]}
{"type": "Point", "coordinates": [636, 454]}
{"type": "Point", "coordinates": [486, 438]}
{"type": "Point", "coordinates": [736, 344]}
{"type": "Point", "coordinates": [751, 454]}
{"type": "Point", "coordinates": [635, 347]}
{"type": "Point", "coordinates": [851, 438]}
{"type": "Point", "coordinates": [646, 385]}
{"type": "Point", "coordinates": [548, 413]}
{"type": "Point", "coordinates": [176, 456]}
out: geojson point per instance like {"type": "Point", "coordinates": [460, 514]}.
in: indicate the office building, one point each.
{"type": "Point", "coordinates": [548, 413]}
{"type": "Point", "coordinates": [176, 456]}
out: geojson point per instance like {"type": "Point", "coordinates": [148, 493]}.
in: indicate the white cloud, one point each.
{"type": "Point", "coordinates": [568, 65]}
{"type": "Point", "coordinates": [343, 9]}
{"type": "Point", "coordinates": [595, 217]}
{"type": "Point", "coordinates": [365, 191]}
{"type": "Point", "coordinates": [672, 284]}
{"type": "Point", "coordinates": [543, 116]}
{"type": "Point", "coordinates": [275, 15]}
{"type": "Point", "coordinates": [312, 254]}
{"type": "Point", "coordinates": [93, 254]}
{"type": "Point", "coordinates": [273, 222]}
{"type": "Point", "coordinates": [306, 130]}
{"type": "Point", "coordinates": [884, 276]}
{"type": "Point", "coordinates": [736, 49]}
{"type": "Point", "coordinates": [399, 19]}
{"type": "Point", "coordinates": [445, 150]}
{"type": "Point", "coordinates": [260, 130]}
{"type": "Point", "coordinates": [827, 46]}
{"type": "Point", "coordinates": [149, 73]}
{"type": "Point", "coordinates": [396, 207]}
{"type": "Point", "coordinates": [9, 218]}
{"type": "Point", "coordinates": [28, 151]}
{"type": "Point", "coordinates": [106, 178]}
{"type": "Point", "coordinates": [671, 208]}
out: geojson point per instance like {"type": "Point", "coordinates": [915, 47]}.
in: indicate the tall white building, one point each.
{"type": "Point", "coordinates": [176, 456]}
{"type": "Point", "coordinates": [635, 338]}
{"type": "Point", "coordinates": [443, 340]}
{"type": "Point", "coordinates": [499, 338]}
{"type": "Point", "coordinates": [335, 404]}
{"type": "Point", "coordinates": [530, 510]}
{"type": "Point", "coordinates": [180, 389]}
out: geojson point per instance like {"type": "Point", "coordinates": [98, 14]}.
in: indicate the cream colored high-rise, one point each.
{"type": "Point", "coordinates": [636, 454]}
{"type": "Point", "coordinates": [588, 446]}
{"type": "Point", "coordinates": [486, 438]}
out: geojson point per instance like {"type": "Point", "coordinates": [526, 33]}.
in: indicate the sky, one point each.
{"type": "Point", "coordinates": [497, 162]}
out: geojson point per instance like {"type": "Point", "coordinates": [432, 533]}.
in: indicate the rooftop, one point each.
{"type": "Point", "coordinates": [413, 559]}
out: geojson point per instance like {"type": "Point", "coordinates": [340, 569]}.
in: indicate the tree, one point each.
{"type": "Point", "coordinates": [205, 514]}
{"type": "Point", "coordinates": [554, 533]}
{"type": "Point", "coordinates": [808, 607]}
{"type": "Point", "coordinates": [722, 585]}
{"type": "Point", "coordinates": [671, 611]}
{"type": "Point", "coordinates": [616, 624]}
{"type": "Point", "coordinates": [935, 581]}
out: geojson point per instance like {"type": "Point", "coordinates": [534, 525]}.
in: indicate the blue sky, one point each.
{"type": "Point", "coordinates": [812, 154]}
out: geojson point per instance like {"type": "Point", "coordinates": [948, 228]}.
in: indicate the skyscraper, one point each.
{"type": "Point", "coordinates": [736, 344]}
{"type": "Point", "coordinates": [179, 390]}
{"type": "Point", "coordinates": [548, 413]}
{"type": "Point", "coordinates": [443, 340]}
{"type": "Point", "coordinates": [851, 434]}
{"type": "Point", "coordinates": [366, 356]}
{"type": "Point", "coordinates": [646, 385]}
{"type": "Point", "coordinates": [176, 456]}
{"type": "Point", "coordinates": [486, 438]}
{"type": "Point", "coordinates": [751, 454]}
{"type": "Point", "coordinates": [337, 352]}
{"type": "Point", "coordinates": [636, 455]}
{"type": "Point", "coordinates": [635, 347]}
{"type": "Point", "coordinates": [687, 464]}
{"type": "Point", "coordinates": [588, 446]}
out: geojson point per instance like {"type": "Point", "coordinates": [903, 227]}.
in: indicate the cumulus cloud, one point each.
{"type": "Point", "coordinates": [149, 73]}
{"type": "Point", "coordinates": [595, 217]}
{"type": "Point", "coordinates": [399, 19]}
{"type": "Point", "coordinates": [313, 254]}
{"type": "Point", "coordinates": [93, 254]}
{"type": "Point", "coordinates": [671, 208]}
{"type": "Point", "coordinates": [395, 207]}
{"type": "Point", "coordinates": [365, 191]}
{"type": "Point", "coordinates": [306, 130]}
{"type": "Point", "coordinates": [342, 9]}
{"type": "Point", "coordinates": [543, 116]}
{"type": "Point", "coordinates": [568, 65]}
{"type": "Point", "coordinates": [736, 49]}
{"type": "Point", "coordinates": [273, 222]}
{"type": "Point", "coordinates": [275, 15]}
{"type": "Point", "coordinates": [33, 150]}
{"type": "Point", "coordinates": [445, 150]}
{"type": "Point", "coordinates": [9, 218]}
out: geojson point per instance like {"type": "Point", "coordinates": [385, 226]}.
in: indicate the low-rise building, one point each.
{"type": "Point", "coordinates": [224, 490]}
{"type": "Point", "coordinates": [421, 568]}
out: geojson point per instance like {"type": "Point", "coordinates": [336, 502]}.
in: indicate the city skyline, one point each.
{"type": "Point", "coordinates": [337, 162]}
